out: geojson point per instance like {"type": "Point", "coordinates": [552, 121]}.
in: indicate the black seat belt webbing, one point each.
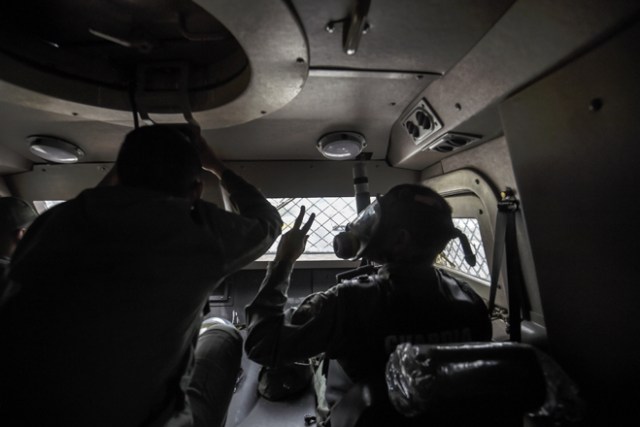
{"type": "Point", "coordinates": [514, 278]}
{"type": "Point", "coordinates": [506, 241]}
{"type": "Point", "coordinates": [498, 252]}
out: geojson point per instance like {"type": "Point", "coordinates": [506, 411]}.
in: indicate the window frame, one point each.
{"type": "Point", "coordinates": [471, 195]}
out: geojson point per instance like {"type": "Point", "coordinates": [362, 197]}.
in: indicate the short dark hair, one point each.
{"type": "Point", "coordinates": [421, 211]}
{"type": "Point", "coordinates": [159, 157]}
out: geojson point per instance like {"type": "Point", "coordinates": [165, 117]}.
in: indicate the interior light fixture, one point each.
{"type": "Point", "coordinates": [54, 149]}
{"type": "Point", "coordinates": [341, 145]}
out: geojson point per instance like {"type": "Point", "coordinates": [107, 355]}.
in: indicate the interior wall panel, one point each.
{"type": "Point", "coordinates": [573, 140]}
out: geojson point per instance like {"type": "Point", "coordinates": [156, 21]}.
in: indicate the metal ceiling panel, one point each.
{"type": "Point", "coordinates": [533, 37]}
{"type": "Point", "coordinates": [365, 102]}
{"type": "Point", "coordinates": [268, 32]}
{"type": "Point", "coordinates": [368, 103]}
{"type": "Point", "coordinates": [421, 36]}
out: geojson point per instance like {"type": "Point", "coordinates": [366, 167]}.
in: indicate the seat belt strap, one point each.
{"type": "Point", "coordinates": [498, 252]}
{"type": "Point", "coordinates": [514, 276]}
{"type": "Point", "coordinates": [506, 240]}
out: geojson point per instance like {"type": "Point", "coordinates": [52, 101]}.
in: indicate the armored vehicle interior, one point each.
{"type": "Point", "coordinates": [535, 102]}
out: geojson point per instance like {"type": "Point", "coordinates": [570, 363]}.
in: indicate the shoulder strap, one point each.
{"type": "Point", "coordinates": [506, 240]}
{"type": "Point", "coordinates": [498, 252]}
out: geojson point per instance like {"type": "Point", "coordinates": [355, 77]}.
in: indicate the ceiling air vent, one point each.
{"type": "Point", "coordinates": [451, 141]}
{"type": "Point", "coordinates": [421, 122]}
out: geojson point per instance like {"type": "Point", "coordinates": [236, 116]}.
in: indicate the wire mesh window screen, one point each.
{"type": "Point", "coordinates": [453, 256]}
{"type": "Point", "coordinates": [332, 214]}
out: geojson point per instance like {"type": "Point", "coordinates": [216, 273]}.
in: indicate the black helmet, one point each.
{"type": "Point", "coordinates": [15, 213]}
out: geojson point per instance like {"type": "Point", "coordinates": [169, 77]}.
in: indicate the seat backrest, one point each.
{"type": "Point", "coordinates": [479, 384]}
{"type": "Point", "coordinates": [497, 383]}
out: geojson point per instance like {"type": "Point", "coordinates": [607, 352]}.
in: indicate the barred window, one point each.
{"type": "Point", "coordinates": [453, 256]}
{"type": "Point", "coordinates": [332, 214]}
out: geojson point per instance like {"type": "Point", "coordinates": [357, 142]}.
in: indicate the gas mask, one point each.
{"type": "Point", "coordinates": [352, 243]}
{"type": "Point", "coordinates": [401, 207]}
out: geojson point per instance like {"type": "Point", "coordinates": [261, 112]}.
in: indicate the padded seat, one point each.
{"type": "Point", "coordinates": [474, 384]}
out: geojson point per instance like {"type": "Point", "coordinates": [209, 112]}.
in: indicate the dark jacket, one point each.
{"type": "Point", "coordinates": [111, 287]}
{"type": "Point", "coordinates": [359, 322]}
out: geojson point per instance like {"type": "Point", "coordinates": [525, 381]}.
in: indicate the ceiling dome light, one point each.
{"type": "Point", "coordinates": [54, 149]}
{"type": "Point", "coordinates": [341, 145]}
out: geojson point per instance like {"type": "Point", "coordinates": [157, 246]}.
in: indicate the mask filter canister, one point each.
{"type": "Point", "coordinates": [346, 245]}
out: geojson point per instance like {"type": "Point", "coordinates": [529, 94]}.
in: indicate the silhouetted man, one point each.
{"type": "Point", "coordinates": [111, 286]}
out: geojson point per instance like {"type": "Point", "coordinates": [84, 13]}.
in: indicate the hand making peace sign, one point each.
{"type": "Point", "coordinates": [292, 243]}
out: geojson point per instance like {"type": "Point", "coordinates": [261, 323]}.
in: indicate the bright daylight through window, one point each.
{"type": "Point", "coordinates": [332, 214]}
{"type": "Point", "coordinates": [453, 256]}
{"type": "Point", "coordinates": [43, 205]}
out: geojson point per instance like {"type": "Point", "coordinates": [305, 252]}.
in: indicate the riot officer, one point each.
{"type": "Point", "coordinates": [359, 321]}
